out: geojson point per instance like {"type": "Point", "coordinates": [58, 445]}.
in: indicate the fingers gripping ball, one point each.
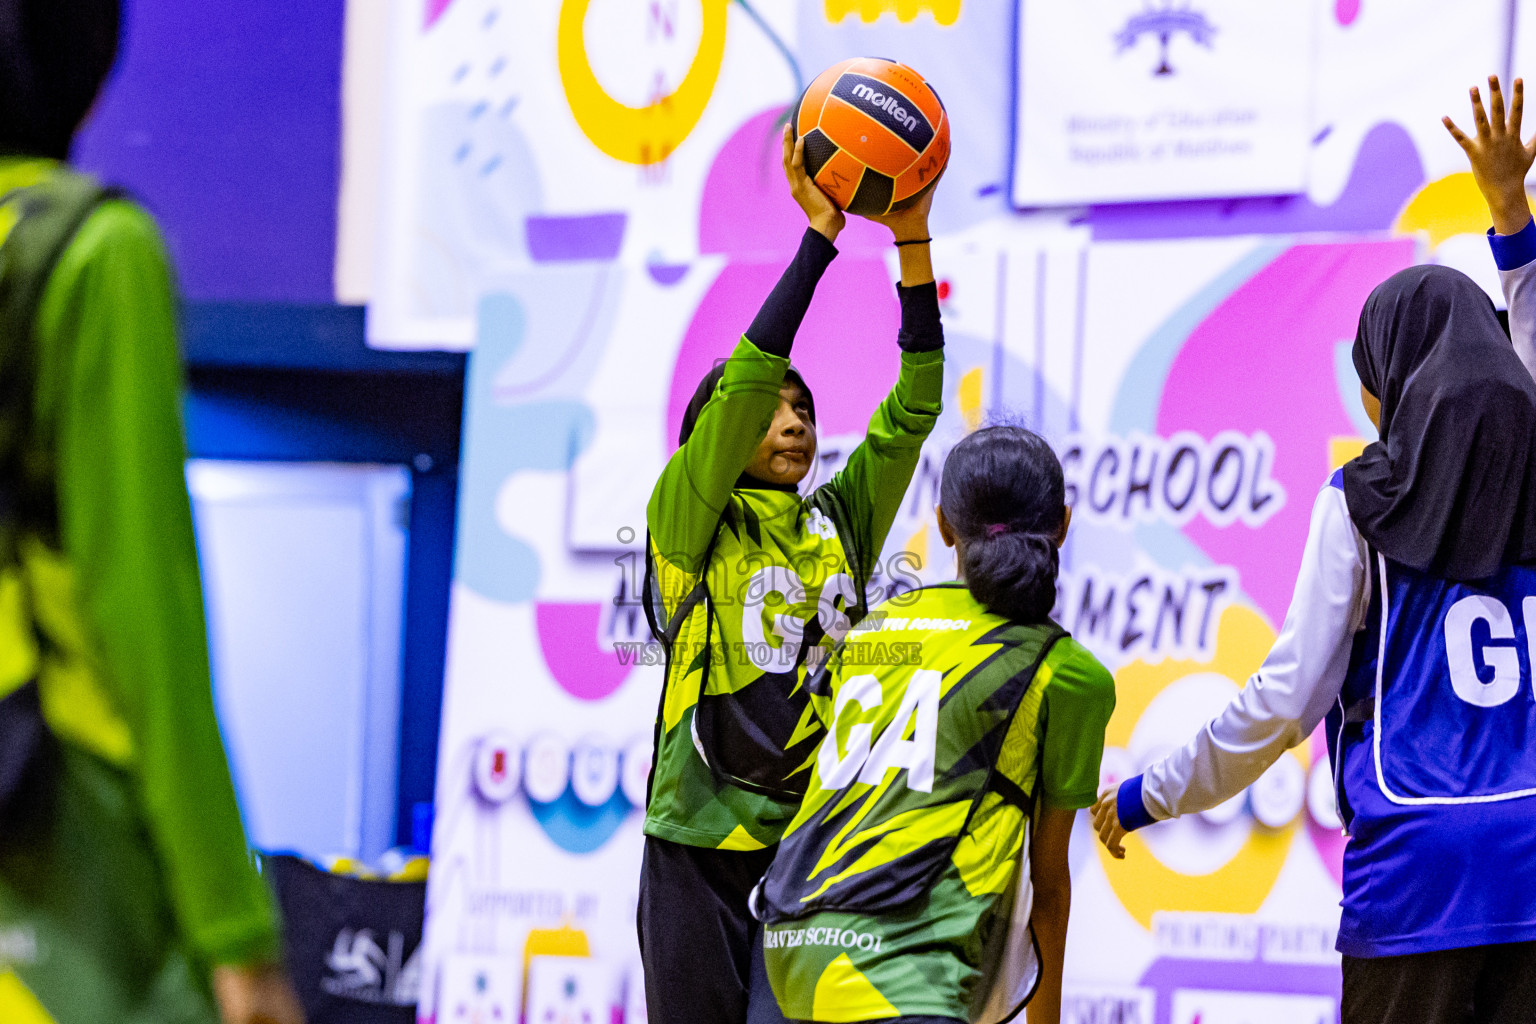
{"type": "Point", "coordinates": [876, 134]}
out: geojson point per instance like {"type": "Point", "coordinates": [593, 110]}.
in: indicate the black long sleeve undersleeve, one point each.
{"type": "Point", "coordinates": [773, 330]}
{"type": "Point", "coordinates": [921, 328]}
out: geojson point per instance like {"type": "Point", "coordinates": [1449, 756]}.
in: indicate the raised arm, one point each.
{"type": "Point", "coordinates": [1284, 700]}
{"type": "Point", "coordinates": [690, 495]}
{"type": "Point", "coordinates": [877, 473]}
{"type": "Point", "coordinates": [1500, 161]}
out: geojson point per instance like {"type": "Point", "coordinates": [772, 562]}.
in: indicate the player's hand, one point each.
{"type": "Point", "coordinates": [1106, 822]}
{"type": "Point", "coordinates": [1500, 161]}
{"type": "Point", "coordinates": [911, 224]}
{"type": "Point", "coordinates": [819, 208]}
{"type": "Point", "coordinates": [255, 995]}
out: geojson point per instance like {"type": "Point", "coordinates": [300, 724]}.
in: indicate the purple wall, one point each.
{"type": "Point", "coordinates": [224, 119]}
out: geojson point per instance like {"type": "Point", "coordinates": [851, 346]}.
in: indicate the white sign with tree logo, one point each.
{"type": "Point", "coordinates": [1133, 100]}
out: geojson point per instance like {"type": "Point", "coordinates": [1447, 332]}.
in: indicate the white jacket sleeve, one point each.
{"type": "Point", "coordinates": [1515, 256]}
{"type": "Point", "coordinates": [1299, 681]}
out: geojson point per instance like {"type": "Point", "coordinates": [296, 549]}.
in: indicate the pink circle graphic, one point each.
{"type": "Point", "coordinates": [1264, 361]}
{"type": "Point", "coordinates": [846, 348]}
{"type": "Point", "coordinates": [568, 641]}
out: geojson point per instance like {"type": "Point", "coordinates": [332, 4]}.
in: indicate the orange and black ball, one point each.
{"type": "Point", "coordinates": [876, 134]}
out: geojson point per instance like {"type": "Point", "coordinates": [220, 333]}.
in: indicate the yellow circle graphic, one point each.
{"type": "Point", "coordinates": [1143, 883]}
{"type": "Point", "coordinates": [638, 135]}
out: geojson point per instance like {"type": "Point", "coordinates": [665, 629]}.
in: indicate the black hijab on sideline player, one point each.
{"type": "Point", "coordinates": [54, 56]}
{"type": "Point", "coordinates": [702, 394]}
{"type": "Point", "coordinates": [1450, 489]}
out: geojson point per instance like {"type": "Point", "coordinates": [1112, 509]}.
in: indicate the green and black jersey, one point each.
{"type": "Point", "coordinates": [786, 577]}
{"type": "Point", "coordinates": [947, 726]}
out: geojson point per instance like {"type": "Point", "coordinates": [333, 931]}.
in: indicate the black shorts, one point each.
{"type": "Point", "coordinates": [701, 948]}
{"type": "Point", "coordinates": [1475, 985]}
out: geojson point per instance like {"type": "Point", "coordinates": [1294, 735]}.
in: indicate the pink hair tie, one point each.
{"type": "Point", "coordinates": [997, 528]}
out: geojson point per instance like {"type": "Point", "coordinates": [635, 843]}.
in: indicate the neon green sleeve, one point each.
{"type": "Point", "coordinates": [691, 494]}
{"type": "Point", "coordinates": [1078, 700]}
{"type": "Point", "coordinates": [126, 526]}
{"type": "Point", "coordinates": [878, 471]}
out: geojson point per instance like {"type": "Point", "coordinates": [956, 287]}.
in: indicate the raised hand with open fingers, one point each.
{"type": "Point", "coordinates": [1500, 161]}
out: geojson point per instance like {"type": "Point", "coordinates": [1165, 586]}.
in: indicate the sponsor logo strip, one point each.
{"type": "Point", "coordinates": [890, 107]}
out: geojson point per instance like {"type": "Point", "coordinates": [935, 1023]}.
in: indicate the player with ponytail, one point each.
{"type": "Point", "coordinates": [925, 877]}
{"type": "Point", "coordinates": [1001, 506]}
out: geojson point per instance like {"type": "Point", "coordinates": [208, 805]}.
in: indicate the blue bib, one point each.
{"type": "Point", "coordinates": [1435, 743]}
{"type": "Point", "coordinates": [1455, 712]}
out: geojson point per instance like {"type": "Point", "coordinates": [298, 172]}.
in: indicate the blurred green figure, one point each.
{"type": "Point", "coordinates": [127, 893]}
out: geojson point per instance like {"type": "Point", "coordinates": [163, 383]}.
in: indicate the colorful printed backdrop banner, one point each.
{"type": "Point", "coordinates": [1188, 361]}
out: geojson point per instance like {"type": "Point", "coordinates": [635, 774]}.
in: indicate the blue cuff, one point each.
{"type": "Point", "coordinates": [1130, 808]}
{"type": "Point", "coordinates": [1513, 251]}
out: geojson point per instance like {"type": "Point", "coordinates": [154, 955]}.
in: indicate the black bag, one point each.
{"type": "Point", "coordinates": [47, 217]}
{"type": "Point", "coordinates": [353, 944]}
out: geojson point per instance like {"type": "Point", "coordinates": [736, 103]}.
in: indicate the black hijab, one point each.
{"type": "Point", "coordinates": [54, 57]}
{"type": "Point", "coordinates": [706, 390]}
{"type": "Point", "coordinates": [1450, 489]}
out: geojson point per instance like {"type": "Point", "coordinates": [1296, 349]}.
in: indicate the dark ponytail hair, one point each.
{"type": "Point", "coordinates": [1003, 495]}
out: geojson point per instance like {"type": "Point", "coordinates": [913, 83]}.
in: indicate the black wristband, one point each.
{"type": "Point", "coordinates": [915, 241]}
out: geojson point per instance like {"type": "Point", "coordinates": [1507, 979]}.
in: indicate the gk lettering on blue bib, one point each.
{"type": "Point", "coordinates": [1455, 718]}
